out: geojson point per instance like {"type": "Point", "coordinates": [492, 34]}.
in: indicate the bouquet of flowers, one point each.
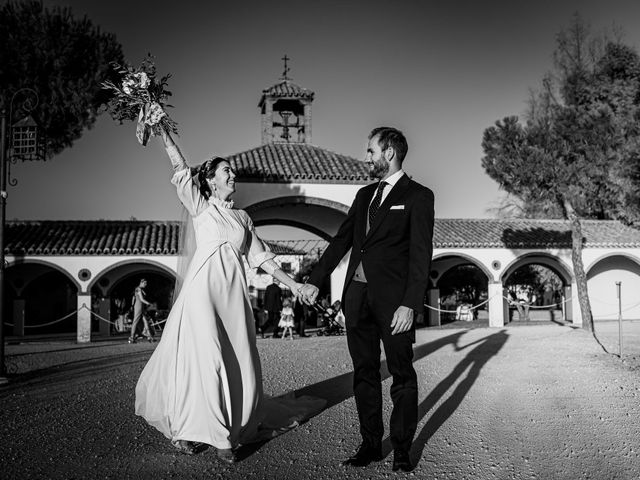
{"type": "Point", "coordinates": [140, 96]}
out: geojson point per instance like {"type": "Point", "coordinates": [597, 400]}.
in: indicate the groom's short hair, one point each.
{"type": "Point", "coordinates": [391, 137]}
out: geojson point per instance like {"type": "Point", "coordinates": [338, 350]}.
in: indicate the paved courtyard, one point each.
{"type": "Point", "coordinates": [520, 402]}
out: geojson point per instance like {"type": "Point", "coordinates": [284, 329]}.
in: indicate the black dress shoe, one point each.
{"type": "Point", "coordinates": [401, 461]}
{"type": "Point", "coordinates": [364, 456]}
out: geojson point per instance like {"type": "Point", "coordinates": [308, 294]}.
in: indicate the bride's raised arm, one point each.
{"type": "Point", "coordinates": [175, 155]}
{"type": "Point", "coordinates": [188, 192]}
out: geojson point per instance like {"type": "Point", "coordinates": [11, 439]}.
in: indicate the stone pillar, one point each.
{"type": "Point", "coordinates": [104, 310]}
{"type": "Point", "coordinates": [84, 318]}
{"type": "Point", "coordinates": [19, 305]}
{"type": "Point", "coordinates": [267, 121]}
{"type": "Point", "coordinates": [307, 122]}
{"type": "Point", "coordinates": [433, 300]}
{"type": "Point", "coordinates": [496, 304]}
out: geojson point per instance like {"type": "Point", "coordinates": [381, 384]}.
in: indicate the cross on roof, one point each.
{"type": "Point", "coordinates": [286, 67]}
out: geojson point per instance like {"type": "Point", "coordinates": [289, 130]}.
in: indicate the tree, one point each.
{"type": "Point", "coordinates": [577, 153]}
{"type": "Point", "coordinates": [63, 59]}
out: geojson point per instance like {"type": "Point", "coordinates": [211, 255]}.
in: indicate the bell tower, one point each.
{"type": "Point", "coordinates": [285, 110]}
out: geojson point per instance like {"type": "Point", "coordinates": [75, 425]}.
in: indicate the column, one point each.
{"type": "Point", "coordinates": [267, 121]}
{"type": "Point", "coordinates": [433, 300]}
{"type": "Point", "coordinates": [307, 122]}
{"type": "Point", "coordinates": [496, 304]}
{"type": "Point", "coordinates": [104, 310]}
{"type": "Point", "coordinates": [19, 305]}
{"type": "Point", "coordinates": [84, 318]}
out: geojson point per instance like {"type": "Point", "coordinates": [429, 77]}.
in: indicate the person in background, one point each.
{"type": "Point", "coordinates": [286, 319]}
{"type": "Point", "coordinates": [140, 305]}
{"type": "Point", "coordinates": [273, 305]}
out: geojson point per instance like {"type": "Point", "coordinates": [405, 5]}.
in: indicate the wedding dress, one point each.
{"type": "Point", "coordinates": [203, 382]}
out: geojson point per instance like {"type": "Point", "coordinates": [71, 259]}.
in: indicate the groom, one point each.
{"type": "Point", "coordinates": [389, 229]}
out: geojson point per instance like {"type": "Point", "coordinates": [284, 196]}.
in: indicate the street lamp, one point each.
{"type": "Point", "coordinates": [18, 141]}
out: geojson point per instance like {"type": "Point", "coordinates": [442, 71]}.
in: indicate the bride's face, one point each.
{"type": "Point", "coordinates": [223, 183]}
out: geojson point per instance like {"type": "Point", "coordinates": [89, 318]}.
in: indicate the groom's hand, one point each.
{"type": "Point", "coordinates": [309, 293]}
{"type": "Point", "coordinates": [402, 320]}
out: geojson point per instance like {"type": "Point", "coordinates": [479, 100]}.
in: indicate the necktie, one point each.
{"type": "Point", "coordinates": [375, 205]}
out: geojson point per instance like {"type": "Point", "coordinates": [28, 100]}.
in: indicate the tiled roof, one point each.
{"type": "Point", "coordinates": [135, 237]}
{"type": "Point", "coordinates": [120, 237]}
{"type": "Point", "coordinates": [524, 233]}
{"type": "Point", "coordinates": [99, 237]}
{"type": "Point", "coordinates": [286, 89]}
{"type": "Point", "coordinates": [297, 162]}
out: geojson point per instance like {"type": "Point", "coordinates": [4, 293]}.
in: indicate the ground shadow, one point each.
{"type": "Point", "coordinates": [59, 375]}
{"type": "Point", "coordinates": [473, 362]}
{"type": "Point", "coordinates": [338, 389]}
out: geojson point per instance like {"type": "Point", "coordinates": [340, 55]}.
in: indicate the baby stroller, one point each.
{"type": "Point", "coordinates": [330, 325]}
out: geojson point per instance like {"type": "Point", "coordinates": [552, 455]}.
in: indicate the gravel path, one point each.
{"type": "Point", "coordinates": [523, 402]}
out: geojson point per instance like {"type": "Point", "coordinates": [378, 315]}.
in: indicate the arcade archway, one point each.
{"type": "Point", "coordinates": [541, 285]}
{"type": "Point", "coordinates": [41, 299]}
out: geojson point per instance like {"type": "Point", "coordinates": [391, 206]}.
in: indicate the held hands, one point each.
{"type": "Point", "coordinates": [402, 320]}
{"type": "Point", "coordinates": [308, 293]}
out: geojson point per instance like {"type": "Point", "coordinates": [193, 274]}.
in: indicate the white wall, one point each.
{"type": "Point", "coordinates": [603, 292]}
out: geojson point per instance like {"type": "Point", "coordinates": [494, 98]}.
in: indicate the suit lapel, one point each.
{"type": "Point", "coordinates": [395, 194]}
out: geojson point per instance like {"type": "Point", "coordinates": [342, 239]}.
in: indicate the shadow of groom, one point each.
{"type": "Point", "coordinates": [472, 363]}
{"type": "Point", "coordinates": [338, 389]}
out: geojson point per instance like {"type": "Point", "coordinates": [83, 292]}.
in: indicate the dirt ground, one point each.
{"type": "Point", "coordinates": [543, 401]}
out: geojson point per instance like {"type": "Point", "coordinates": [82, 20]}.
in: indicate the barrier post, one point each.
{"type": "Point", "coordinates": [618, 288]}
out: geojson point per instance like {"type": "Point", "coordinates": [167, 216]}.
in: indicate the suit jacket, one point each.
{"type": "Point", "coordinates": [273, 298]}
{"type": "Point", "coordinates": [395, 253]}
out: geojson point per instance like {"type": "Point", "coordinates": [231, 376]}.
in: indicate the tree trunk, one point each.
{"type": "Point", "coordinates": [578, 266]}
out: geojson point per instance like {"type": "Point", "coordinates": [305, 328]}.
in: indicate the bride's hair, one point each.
{"type": "Point", "coordinates": [208, 170]}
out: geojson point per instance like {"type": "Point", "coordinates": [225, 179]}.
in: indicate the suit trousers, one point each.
{"type": "Point", "coordinates": [368, 321]}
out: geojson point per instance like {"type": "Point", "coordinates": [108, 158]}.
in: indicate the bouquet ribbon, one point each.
{"type": "Point", "coordinates": [143, 129]}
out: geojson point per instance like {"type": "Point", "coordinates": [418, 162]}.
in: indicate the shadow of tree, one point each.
{"type": "Point", "coordinates": [530, 237]}
{"type": "Point", "coordinates": [473, 362]}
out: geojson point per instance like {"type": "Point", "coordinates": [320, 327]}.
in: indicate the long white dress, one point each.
{"type": "Point", "coordinates": [203, 382]}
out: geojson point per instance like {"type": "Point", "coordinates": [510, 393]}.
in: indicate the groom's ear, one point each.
{"type": "Point", "coordinates": [389, 154]}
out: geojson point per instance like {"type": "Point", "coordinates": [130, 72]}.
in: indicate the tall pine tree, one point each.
{"type": "Point", "coordinates": [63, 59]}
{"type": "Point", "coordinates": [576, 154]}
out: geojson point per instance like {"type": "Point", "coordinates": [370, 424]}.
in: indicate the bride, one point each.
{"type": "Point", "coordinates": [203, 382]}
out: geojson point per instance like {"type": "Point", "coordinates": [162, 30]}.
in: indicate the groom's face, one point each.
{"type": "Point", "coordinates": [375, 159]}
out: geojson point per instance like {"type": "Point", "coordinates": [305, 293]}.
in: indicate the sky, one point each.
{"type": "Point", "coordinates": [441, 71]}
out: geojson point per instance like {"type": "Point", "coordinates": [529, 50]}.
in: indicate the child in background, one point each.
{"type": "Point", "coordinates": [286, 318]}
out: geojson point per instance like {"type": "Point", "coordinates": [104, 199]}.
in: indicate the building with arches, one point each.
{"type": "Point", "coordinates": [58, 267]}
{"type": "Point", "coordinates": [74, 268]}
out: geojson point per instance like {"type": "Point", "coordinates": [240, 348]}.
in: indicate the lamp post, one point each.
{"type": "Point", "coordinates": [17, 141]}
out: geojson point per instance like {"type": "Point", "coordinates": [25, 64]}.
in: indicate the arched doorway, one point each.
{"type": "Point", "coordinates": [112, 291]}
{"type": "Point", "coordinates": [537, 287]}
{"type": "Point", "coordinates": [41, 299]}
{"type": "Point", "coordinates": [462, 286]}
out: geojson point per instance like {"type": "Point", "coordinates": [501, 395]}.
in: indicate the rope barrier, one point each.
{"type": "Point", "coordinates": [511, 302]}
{"type": "Point", "coordinates": [83, 307]}
{"type": "Point", "coordinates": [455, 311]}
{"type": "Point", "coordinates": [514, 302]}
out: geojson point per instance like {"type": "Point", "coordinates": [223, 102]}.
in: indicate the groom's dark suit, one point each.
{"type": "Point", "coordinates": [396, 257]}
